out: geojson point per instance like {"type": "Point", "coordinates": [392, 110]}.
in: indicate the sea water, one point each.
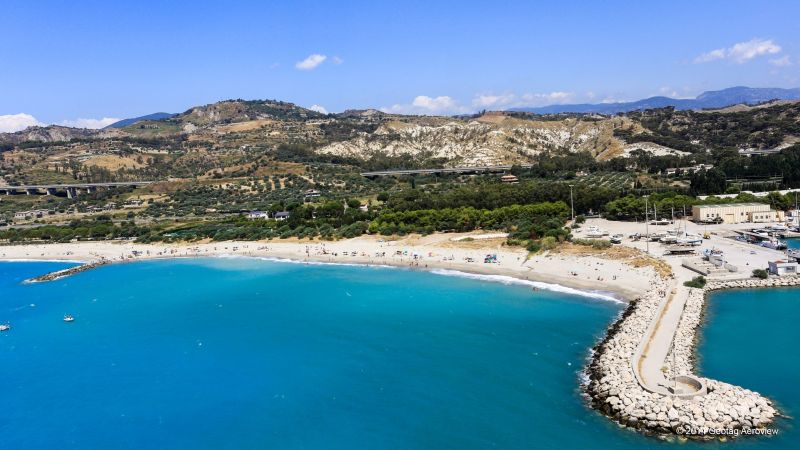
{"type": "Point", "coordinates": [245, 353]}
{"type": "Point", "coordinates": [750, 339]}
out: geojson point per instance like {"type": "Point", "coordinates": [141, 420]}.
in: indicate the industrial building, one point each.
{"type": "Point", "coordinates": [736, 213]}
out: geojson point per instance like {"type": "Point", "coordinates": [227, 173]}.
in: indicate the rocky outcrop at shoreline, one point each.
{"type": "Point", "coordinates": [67, 272]}
{"type": "Point", "coordinates": [615, 389]}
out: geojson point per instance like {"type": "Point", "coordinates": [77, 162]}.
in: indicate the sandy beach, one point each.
{"type": "Point", "coordinates": [434, 252]}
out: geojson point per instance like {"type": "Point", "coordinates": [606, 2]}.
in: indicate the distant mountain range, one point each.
{"type": "Point", "coordinates": [154, 116]}
{"type": "Point", "coordinates": [706, 100]}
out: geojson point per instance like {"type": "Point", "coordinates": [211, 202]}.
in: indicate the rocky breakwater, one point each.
{"type": "Point", "coordinates": [616, 390]}
{"type": "Point", "coordinates": [67, 272]}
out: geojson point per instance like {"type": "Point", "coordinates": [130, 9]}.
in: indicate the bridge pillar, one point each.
{"type": "Point", "coordinates": [50, 191]}
{"type": "Point", "coordinates": [31, 191]}
{"type": "Point", "coordinates": [72, 192]}
{"type": "Point", "coordinates": [90, 189]}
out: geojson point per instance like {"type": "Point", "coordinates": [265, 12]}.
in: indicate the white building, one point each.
{"type": "Point", "coordinates": [736, 213]}
{"type": "Point", "coordinates": [257, 215]}
{"type": "Point", "coordinates": [782, 268]}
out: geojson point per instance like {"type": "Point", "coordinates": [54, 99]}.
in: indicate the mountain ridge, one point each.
{"type": "Point", "coordinates": [154, 116]}
{"type": "Point", "coordinates": [706, 100]}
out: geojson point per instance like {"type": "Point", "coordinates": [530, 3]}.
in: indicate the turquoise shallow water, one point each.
{"type": "Point", "coordinates": [240, 353]}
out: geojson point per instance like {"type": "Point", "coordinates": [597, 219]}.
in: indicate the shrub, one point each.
{"type": "Point", "coordinates": [760, 273]}
{"type": "Point", "coordinates": [534, 246]}
{"type": "Point", "coordinates": [696, 282]}
{"type": "Point", "coordinates": [599, 244]}
{"type": "Point", "coordinates": [548, 243]}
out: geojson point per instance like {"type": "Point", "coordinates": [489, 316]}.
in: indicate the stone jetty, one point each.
{"type": "Point", "coordinates": [688, 405]}
{"type": "Point", "coordinates": [67, 272]}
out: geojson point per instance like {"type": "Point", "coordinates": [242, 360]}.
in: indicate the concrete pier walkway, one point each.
{"type": "Point", "coordinates": [650, 358]}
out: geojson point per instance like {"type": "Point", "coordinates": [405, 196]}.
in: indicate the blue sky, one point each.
{"type": "Point", "coordinates": [77, 64]}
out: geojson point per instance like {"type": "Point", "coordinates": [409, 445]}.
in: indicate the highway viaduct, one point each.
{"type": "Point", "coordinates": [71, 190]}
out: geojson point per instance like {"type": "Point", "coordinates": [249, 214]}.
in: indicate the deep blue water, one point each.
{"type": "Point", "coordinates": [240, 353]}
{"type": "Point", "coordinates": [793, 243]}
{"type": "Point", "coordinates": [751, 339]}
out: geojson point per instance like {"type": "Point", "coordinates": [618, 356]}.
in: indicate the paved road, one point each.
{"type": "Point", "coordinates": [658, 341]}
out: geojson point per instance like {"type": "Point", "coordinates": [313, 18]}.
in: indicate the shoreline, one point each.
{"type": "Point", "coordinates": [560, 273]}
{"type": "Point", "coordinates": [614, 379]}
{"type": "Point", "coordinates": [486, 276]}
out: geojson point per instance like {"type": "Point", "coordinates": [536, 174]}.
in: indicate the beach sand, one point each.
{"type": "Point", "coordinates": [605, 273]}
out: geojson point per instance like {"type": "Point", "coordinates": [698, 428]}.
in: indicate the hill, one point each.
{"type": "Point", "coordinates": [125, 122]}
{"type": "Point", "coordinates": [212, 136]}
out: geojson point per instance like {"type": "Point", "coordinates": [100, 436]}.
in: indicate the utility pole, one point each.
{"type": "Point", "coordinates": [572, 203]}
{"type": "Point", "coordinates": [646, 225]}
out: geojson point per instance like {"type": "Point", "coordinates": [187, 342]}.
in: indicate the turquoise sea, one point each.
{"type": "Point", "coordinates": [246, 353]}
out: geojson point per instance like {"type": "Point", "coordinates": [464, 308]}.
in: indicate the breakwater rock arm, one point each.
{"type": "Point", "coordinates": [67, 272]}
{"type": "Point", "coordinates": [681, 403]}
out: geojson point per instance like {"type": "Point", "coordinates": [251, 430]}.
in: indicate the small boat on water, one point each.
{"type": "Point", "coordinates": [774, 244]}
{"type": "Point", "coordinates": [68, 318]}
{"type": "Point", "coordinates": [5, 327]}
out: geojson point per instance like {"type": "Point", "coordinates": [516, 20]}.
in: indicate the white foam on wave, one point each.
{"type": "Point", "coordinates": [74, 261]}
{"type": "Point", "coordinates": [306, 263]}
{"type": "Point", "coordinates": [505, 279]}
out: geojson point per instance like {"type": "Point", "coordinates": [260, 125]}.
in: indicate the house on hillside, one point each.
{"type": "Point", "coordinates": [510, 179]}
{"type": "Point", "coordinates": [282, 215]}
{"type": "Point", "coordinates": [257, 215]}
{"type": "Point", "coordinates": [311, 194]}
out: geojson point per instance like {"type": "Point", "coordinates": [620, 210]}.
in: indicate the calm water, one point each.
{"type": "Point", "coordinates": [751, 340]}
{"type": "Point", "coordinates": [793, 243]}
{"type": "Point", "coordinates": [238, 353]}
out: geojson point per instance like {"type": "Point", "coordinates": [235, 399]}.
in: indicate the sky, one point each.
{"type": "Point", "coordinates": [89, 63]}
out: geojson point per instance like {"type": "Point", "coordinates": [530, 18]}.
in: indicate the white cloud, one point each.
{"type": "Point", "coordinates": [312, 62]}
{"type": "Point", "coordinates": [440, 103]}
{"type": "Point", "coordinates": [318, 108]}
{"type": "Point", "coordinates": [10, 123]}
{"type": "Point", "coordinates": [555, 97]}
{"type": "Point", "coordinates": [742, 52]}
{"type": "Point", "coordinates": [491, 100]}
{"type": "Point", "coordinates": [510, 100]}
{"type": "Point", "coordinates": [781, 62]}
{"type": "Point", "coordinates": [425, 105]}
{"type": "Point", "coordinates": [710, 56]}
{"type": "Point", "coordinates": [16, 122]}
{"type": "Point", "coordinates": [94, 124]}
